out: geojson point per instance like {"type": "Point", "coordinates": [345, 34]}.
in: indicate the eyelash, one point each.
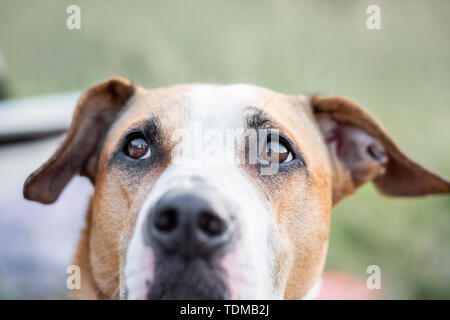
{"type": "Point", "coordinates": [297, 157]}
{"type": "Point", "coordinates": [133, 135]}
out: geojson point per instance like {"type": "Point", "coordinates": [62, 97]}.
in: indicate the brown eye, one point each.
{"type": "Point", "coordinates": [276, 151]}
{"type": "Point", "coordinates": [138, 148]}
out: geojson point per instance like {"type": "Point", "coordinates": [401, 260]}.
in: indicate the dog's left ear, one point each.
{"type": "Point", "coordinates": [361, 150]}
{"type": "Point", "coordinates": [96, 109]}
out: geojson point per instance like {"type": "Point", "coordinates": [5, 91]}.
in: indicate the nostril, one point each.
{"type": "Point", "coordinates": [211, 224]}
{"type": "Point", "coordinates": [166, 220]}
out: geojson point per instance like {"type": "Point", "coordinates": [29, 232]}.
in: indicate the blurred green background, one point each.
{"type": "Point", "coordinates": [401, 73]}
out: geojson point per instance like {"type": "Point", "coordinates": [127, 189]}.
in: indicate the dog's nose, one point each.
{"type": "Point", "coordinates": [189, 223]}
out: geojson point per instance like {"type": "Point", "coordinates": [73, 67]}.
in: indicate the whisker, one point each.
{"type": "Point", "coordinates": [115, 292]}
{"type": "Point", "coordinates": [104, 284]}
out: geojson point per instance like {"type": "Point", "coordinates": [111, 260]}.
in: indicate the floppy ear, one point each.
{"type": "Point", "coordinates": [96, 109]}
{"type": "Point", "coordinates": [362, 150]}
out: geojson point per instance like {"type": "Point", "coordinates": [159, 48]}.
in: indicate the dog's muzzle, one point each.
{"type": "Point", "coordinates": [189, 230]}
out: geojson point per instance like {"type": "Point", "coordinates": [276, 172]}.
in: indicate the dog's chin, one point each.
{"type": "Point", "coordinates": [176, 279]}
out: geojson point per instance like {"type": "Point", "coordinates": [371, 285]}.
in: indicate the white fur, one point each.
{"type": "Point", "coordinates": [314, 291]}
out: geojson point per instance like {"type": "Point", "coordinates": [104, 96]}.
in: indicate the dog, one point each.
{"type": "Point", "coordinates": [163, 225]}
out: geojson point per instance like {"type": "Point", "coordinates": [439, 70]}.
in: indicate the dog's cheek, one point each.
{"type": "Point", "coordinates": [308, 236]}
{"type": "Point", "coordinates": [139, 268]}
{"type": "Point", "coordinates": [250, 265]}
{"type": "Point", "coordinates": [139, 262]}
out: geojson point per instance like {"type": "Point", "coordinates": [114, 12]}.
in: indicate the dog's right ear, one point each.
{"type": "Point", "coordinates": [96, 110]}
{"type": "Point", "coordinates": [361, 150]}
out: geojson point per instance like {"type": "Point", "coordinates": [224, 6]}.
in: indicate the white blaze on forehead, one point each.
{"type": "Point", "coordinates": [216, 122]}
{"type": "Point", "coordinates": [221, 107]}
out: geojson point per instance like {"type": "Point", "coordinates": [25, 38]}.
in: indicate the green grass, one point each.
{"type": "Point", "coordinates": [401, 73]}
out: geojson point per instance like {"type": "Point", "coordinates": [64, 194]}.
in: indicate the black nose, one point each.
{"type": "Point", "coordinates": [189, 223]}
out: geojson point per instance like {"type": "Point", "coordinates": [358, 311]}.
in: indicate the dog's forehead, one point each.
{"type": "Point", "coordinates": [225, 106]}
{"type": "Point", "coordinates": [218, 106]}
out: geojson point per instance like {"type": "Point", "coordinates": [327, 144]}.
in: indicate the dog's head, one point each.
{"type": "Point", "coordinates": [208, 191]}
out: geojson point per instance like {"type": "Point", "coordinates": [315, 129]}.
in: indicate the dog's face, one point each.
{"type": "Point", "coordinates": [204, 221]}
{"type": "Point", "coordinates": [219, 192]}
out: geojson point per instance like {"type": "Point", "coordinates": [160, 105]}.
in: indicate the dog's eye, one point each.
{"type": "Point", "coordinates": [277, 151]}
{"type": "Point", "coordinates": [138, 148]}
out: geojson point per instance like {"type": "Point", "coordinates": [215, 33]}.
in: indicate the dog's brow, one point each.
{"type": "Point", "coordinates": [151, 127]}
{"type": "Point", "coordinates": [257, 119]}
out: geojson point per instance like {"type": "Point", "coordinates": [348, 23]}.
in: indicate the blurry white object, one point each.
{"type": "Point", "coordinates": [37, 242]}
{"type": "Point", "coordinates": [36, 117]}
